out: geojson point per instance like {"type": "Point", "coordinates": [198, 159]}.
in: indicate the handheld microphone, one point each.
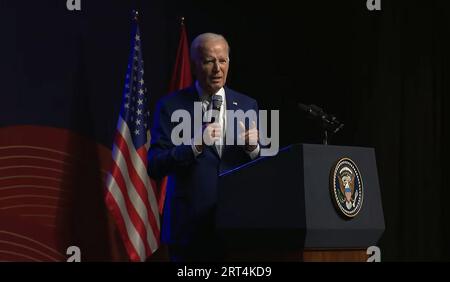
{"type": "Point", "coordinates": [216, 104]}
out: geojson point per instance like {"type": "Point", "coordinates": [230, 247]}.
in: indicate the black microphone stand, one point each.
{"type": "Point", "coordinates": [330, 126]}
{"type": "Point", "coordinates": [329, 123]}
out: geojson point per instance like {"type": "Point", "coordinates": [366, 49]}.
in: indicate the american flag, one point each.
{"type": "Point", "coordinates": [130, 195]}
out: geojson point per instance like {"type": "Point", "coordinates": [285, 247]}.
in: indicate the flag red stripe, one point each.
{"type": "Point", "coordinates": [115, 211]}
{"type": "Point", "coordinates": [142, 152]}
{"type": "Point", "coordinates": [137, 182]}
{"type": "Point", "coordinates": [136, 220]}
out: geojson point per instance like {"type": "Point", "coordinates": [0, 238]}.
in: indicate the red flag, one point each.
{"type": "Point", "coordinates": [130, 195]}
{"type": "Point", "coordinates": [181, 78]}
{"type": "Point", "coordinates": [181, 75]}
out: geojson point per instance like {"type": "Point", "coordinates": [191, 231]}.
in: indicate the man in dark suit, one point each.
{"type": "Point", "coordinates": [193, 169]}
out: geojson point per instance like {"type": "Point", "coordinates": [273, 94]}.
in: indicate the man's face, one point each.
{"type": "Point", "coordinates": [211, 65]}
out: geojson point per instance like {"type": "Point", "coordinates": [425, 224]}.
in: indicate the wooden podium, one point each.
{"type": "Point", "coordinates": [281, 209]}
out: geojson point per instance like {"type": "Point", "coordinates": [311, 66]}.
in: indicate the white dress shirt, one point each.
{"type": "Point", "coordinates": [222, 121]}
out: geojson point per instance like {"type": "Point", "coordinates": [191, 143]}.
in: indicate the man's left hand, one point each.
{"type": "Point", "coordinates": [250, 136]}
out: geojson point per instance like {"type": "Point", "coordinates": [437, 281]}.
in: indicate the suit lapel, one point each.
{"type": "Point", "coordinates": [193, 97]}
{"type": "Point", "coordinates": [232, 103]}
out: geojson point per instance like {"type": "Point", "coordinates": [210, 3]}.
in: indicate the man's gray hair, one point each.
{"type": "Point", "coordinates": [198, 42]}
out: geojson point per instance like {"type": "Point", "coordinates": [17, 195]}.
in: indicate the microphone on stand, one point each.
{"type": "Point", "coordinates": [329, 122]}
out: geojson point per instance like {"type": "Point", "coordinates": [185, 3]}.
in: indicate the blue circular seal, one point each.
{"type": "Point", "coordinates": [347, 192]}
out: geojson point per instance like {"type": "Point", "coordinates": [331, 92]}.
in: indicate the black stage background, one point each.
{"type": "Point", "coordinates": [385, 74]}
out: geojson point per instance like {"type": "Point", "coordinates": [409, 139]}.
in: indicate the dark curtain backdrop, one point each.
{"type": "Point", "coordinates": [384, 74]}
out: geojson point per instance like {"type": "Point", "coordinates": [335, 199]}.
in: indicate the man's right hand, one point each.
{"type": "Point", "coordinates": [212, 133]}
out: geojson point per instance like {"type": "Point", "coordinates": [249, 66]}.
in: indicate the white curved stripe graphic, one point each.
{"type": "Point", "coordinates": [135, 239]}
{"type": "Point", "coordinates": [19, 255]}
{"type": "Point", "coordinates": [135, 199]}
{"type": "Point", "coordinates": [10, 243]}
{"type": "Point", "coordinates": [33, 157]}
{"type": "Point", "coordinates": [66, 171]}
{"type": "Point", "coordinates": [30, 176]}
{"type": "Point", "coordinates": [29, 196]}
{"type": "Point", "coordinates": [33, 186]}
{"type": "Point", "coordinates": [39, 215]}
{"type": "Point", "coordinates": [28, 206]}
{"type": "Point", "coordinates": [43, 158]}
{"type": "Point", "coordinates": [34, 147]}
{"type": "Point", "coordinates": [140, 167]}
{"type": "Point", "coordinates": [32, 166]}
{"type": "Point", "coordinates": [31, 240]}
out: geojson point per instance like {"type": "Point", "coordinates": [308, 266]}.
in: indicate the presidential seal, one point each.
{"type": "Point", "coordinates": [347, 192]}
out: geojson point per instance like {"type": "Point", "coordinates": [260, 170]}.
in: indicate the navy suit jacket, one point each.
{"type": "Point", "coordinates": [192, 181]}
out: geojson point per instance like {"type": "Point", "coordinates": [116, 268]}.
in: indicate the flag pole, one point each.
{"type": "Point", "coordinates": [135, 15]}
{"type": "Point", "coordinates": [181, 78]}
